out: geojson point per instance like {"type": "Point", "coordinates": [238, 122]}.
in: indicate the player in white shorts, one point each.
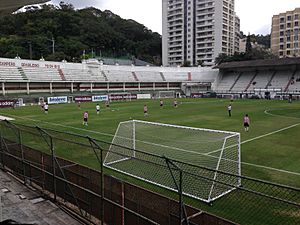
{"type": "Point", "coordinates": [98, 108]}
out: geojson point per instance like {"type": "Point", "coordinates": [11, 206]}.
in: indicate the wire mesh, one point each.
{"type": "Point", "coordinates": [251, 201]}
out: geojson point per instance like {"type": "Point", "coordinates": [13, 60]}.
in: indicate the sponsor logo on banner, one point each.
{"type": "Point", "coordinates": [100, 98]}
{"type": "Point", "coordinates": [143, 96]}
{"type": "Point", "coordinates": [57, 100]}
{"type": "Point", "coordinates": [6, 103]}
{"type": "Point", "coordinates": [83, 99]}
{"type": "Point", "coordinates": [121, 97]}
{"type": "Point", "coordinates": [197, 95]}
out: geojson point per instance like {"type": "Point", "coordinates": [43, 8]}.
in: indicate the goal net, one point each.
{"type": "Point", "coordinates": [166, 94]}
{"type": "Point", "coordinates": [209, 159]}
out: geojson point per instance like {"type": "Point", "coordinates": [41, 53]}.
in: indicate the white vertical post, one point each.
{"type": "Point", "coordinates": [28, 88]}
{"type": "Point", "coordinates": [91, 87]}
{"type": "Point", "coordinates": [133, 137]}
{"type": "Point", "coordinates": [153, 86]}
{"type": "Point", "coordinates": [124, 87]}
{"type": "Point", "coordinates": [107, 87]}
{"type": "Point", "coordinates": [239, 160]}
{"type": "Point", "coordinates": [51, 91]}
{"type": "Point", "coordinates": [168, 86]}
{"type": "Point", "coordinates": [216, 172]}
{"type": "Point", "coordinates": [3, 88]}
{"type": "Point", "coordinates": [139, 86]}
{"type": "Point", "coordinates": [72, 87]}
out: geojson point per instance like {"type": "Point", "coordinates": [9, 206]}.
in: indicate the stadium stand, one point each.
{"type": "Point", "coordinates": [244, 81]}
{"type": "Point", "coordinates": [294, 84]}
{"type": "Point", "coordinates": [261, 80]}
{"type": "Point", "coordinates": [11, 73]}
{"type": "Point", "coordinates": [38, 74]}
{"type": "Point", "coordinates": [119, 76]}
{"type": "Point", "coordinates": [227, 82]}
{"type": "Point", "coordinates": [280, 80]}
{"type": "Point", "coordinates": [149, 76]}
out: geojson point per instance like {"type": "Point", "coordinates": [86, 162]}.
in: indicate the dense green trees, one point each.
{"type": "Point", "coordinates": [75, 31]}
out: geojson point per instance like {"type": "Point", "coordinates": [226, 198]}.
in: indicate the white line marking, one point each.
{"type": "Point", "coordinates": [271, 133]}
{"type": "Point", "coordinates": [6, 118]}
{"type": "Point", "coordinates": [267, 112]}
{"type": "Point", "coordinates": [250, 164]}
{"type": "Point", "coordinates": [271, 168]}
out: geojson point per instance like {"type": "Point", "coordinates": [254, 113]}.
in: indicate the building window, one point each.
{"type": "Point", "coordinates": [288, 45]}
{"type": "Point", "coordinates": [281, 26]}
{"type": "Point", "coordinates": [288, 38]}
{"type": "Point", "coordinates": [288, 52]}
{"type": "Point", "coordinates": [289, 18]}
{"type": "Point", "coordinates": [281, 33]}
{"type": "Point", "coordinates": [281, 40]}
{"type": "Point", "coordinates": [296, 23]}
{"type": "Point", "coordinates": [289, 25]}
{"type": "Point", "coordinates": [281, 47]}
{"type": "Point", "coordinates": [296, 16]}
{"type": "Point", "coordinates": [281, 53]}
{"type": "Point", "coordinates": [282, 20]}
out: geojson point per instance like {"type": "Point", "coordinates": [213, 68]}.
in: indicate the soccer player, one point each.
{"type": "Point", "coordinates": [161, 103]}
{"type": "Point", "coordinates": [46, 108]}
{"type": "Point", "coordinates": [98, 108]}
{"type": "Point", "coordinates": [175, 103]}
{"type": "Point", "coordinates": [246, 122]}
{"type": "Point", "coordinates": [229, 110]}
{"type": "Point", "coordinates": [78, 105]}
{"type": "Point", "coordinates": [85, 118]}
{"type": "Point", "coordinates": [107, 104]}
{"type": "Point", "coordinates": [145, 110]}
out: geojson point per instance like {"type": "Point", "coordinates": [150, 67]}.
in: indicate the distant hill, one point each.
{"type": "Point", "coordinates": [77, 34]}
{"type": "Point", "coordinates": [9, 6]}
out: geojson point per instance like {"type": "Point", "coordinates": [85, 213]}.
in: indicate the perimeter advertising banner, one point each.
{"type": "Point", "coordinates": [83, 99]}
{"type": "Point", "coordinates": [122, 97]}
{"type": "Point", "coordinates": [7, 103]}
{"type": "Point", "coordinates": [100, 98]}
{"type": "Point", "coordinates": [57, 100]}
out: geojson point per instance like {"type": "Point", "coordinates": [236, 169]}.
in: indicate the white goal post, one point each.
{"type": "Point", "coordinates": [166, 94]}
{"type": "Point", "coordinates": [209, 159]}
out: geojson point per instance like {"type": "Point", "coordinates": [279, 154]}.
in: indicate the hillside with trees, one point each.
{"type": "Point", "coordinates": [73, 32]}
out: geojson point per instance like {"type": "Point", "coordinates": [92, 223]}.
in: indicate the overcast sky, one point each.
{"type": "Point", "coordinates": [255, 15]}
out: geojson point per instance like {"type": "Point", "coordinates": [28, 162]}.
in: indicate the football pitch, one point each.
{"type": "Point", "coordinates": [269, 151]}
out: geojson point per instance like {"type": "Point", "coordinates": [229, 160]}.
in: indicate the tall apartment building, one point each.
{"type": "Point", "coordinates": [198, 30]}
{"type": "Point", "coordinates": [285, 34]}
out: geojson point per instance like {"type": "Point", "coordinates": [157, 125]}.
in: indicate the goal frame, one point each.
{"type": "Point", "coordinates": [161, 92]}
{"type": "Point", "coordinates": [210, 198]}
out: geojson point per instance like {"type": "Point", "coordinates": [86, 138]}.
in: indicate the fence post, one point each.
{"type": "Point", "coordinates": [182, 211]}
{"type": "Point", "coordinates": [19, 142]}
{"type": "Point", "coordinates": [51, 147]}
{"type": "Point", "coordinates": [95, 146]}
{"type": "Point", "coordinates": [2, 150]}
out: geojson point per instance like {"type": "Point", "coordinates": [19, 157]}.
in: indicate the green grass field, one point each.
{"type": "Point", "coordinates": [270, 150]}
{"type": "Point", "coordinates": [279, 151]}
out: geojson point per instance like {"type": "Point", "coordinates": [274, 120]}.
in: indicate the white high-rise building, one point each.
{"type": "Point", "coordinates": [197, 31]}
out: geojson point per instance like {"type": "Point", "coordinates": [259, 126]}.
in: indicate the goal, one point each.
{"type": "Point", "coordinates": [209, 159]}
{"type": "Point", "coordinates": [166, 94]}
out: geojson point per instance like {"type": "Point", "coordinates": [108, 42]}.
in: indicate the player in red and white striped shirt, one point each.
{"type": "Point", "coordinates": [85, 118]}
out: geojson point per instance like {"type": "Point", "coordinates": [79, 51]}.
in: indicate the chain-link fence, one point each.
{"type": "Point", "coordinates": [114, 202]}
